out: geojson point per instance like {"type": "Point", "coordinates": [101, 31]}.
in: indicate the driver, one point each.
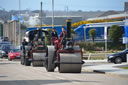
{"type": "Point", "coordinates": [63, 35]}
{"type": "Point", "coordinates": [54, 33]}
{"type": "Point", "coordinates": [54, 36]}
{"type": "Point", "coordinates": [23, 44]}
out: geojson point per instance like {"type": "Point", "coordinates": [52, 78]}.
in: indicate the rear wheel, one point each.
{"type": "Point", "coordinates": [47, 66]}
{"type": "Point", "coordinates": [118, 60]}
{"type": "Point", "coordinates": [26, 62]}
{"type": "Point", "coordinates": [22, 60]}
{"type": "Point", "coordinates": [50, 66]}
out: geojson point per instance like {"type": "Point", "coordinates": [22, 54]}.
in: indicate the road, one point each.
{"type": "Point", "coordinates": [12, 73]}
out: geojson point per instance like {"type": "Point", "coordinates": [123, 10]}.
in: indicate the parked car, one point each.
{"type": "Point", "coordinates": [118, 57]}
{"type": "Point", "coordinates": [14, 54]}
{"type": "Point", "coordinates": [5, 42]}
{"type": "Point", "coordinates": [4, 49]}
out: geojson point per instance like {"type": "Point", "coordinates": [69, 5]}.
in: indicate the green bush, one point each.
{"type": "Point", "coordinates": [92, 33]}
{"type": "Point", "coordinates": [100, 46]}
{"type": "Point", "coordinates": [115, 33]}
{"type": "Point", "coordinates": [48, 37]}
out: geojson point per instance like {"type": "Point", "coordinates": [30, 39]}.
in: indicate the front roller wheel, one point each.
{"type": "Point", "coordinates": [70, 62]}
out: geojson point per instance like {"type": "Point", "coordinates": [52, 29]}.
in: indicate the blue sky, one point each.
{"type": "Point", "coordinates": [85, 5]}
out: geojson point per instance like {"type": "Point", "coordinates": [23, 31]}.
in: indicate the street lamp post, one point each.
{"type": "Point", "coordinates": [53, 13]}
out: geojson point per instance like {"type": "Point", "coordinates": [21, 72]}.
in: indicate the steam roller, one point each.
{"type": "Point", "coordinates": [35, 51]}
{"type": "Point", "coordinates": [64, 54]}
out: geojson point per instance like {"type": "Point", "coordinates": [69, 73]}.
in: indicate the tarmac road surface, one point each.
{"type": "Point", "coordinates": [13, 73]}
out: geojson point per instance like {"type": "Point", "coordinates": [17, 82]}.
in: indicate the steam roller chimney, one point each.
{"type": "Point", "coordinates": [68, 28]}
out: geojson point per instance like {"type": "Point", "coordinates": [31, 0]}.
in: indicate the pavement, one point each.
{"type": "Point", "coordinates": [107, 68]}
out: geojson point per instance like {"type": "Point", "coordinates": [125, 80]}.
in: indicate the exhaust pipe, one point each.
{"type": "Point", "coordinates": [68, 28]}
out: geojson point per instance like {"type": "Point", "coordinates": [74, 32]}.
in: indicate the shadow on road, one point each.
{"type": "Point", "coordinates": [3, 76]}
{"type": "Point", "coordinates": [39, 82]}
{"type": "Point", "coordinates": [6, 63]}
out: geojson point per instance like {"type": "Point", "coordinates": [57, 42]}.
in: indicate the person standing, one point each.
{"type": "Point", "coordinates": [62, 39]}
{"type": "Point", "coordinates": [23, 44]}
{"type": "Point", "coordinates": [54, 36]}
{"type": "Point", "coordinates": [63, 33]}
{"type": "Point", "coordinates": [54, 33]}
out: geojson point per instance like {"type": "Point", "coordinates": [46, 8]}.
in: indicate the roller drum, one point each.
{"type": "Point", "coordinates": [39, 56]}
{"type": "Point", "coordinates": [38, 59]}
{"type": "Point", "coordinates": [70, 62]}
{"type": "Point", "coordinates": [27, 48]}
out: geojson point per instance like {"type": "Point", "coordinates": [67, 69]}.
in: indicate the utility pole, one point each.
{"type": "Point", "coordinates": [67, 9]}
{"type": "Point", "coordinates": [41, 15]}
{"type": "Point", "coordinates": [52, 13]}
{"type": "Point", "coordinates": [67, 12]}
{"type": "Point", "coordinates": [105, 37]}
{"type": "Point", "coordinates": [19, 25]}
{"type": "Point", "coordinates": [126, 24]}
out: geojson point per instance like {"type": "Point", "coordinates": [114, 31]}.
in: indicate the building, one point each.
{"type": "Point", "coordinates": [34, 20]}
{"type": "Point", "coordinates": [11, 30]}
{"type": "Point", "coordinates": [61, 20]}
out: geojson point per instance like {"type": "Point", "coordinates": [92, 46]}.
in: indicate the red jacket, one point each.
{"type": "Point", "coordinates": [63, 34]}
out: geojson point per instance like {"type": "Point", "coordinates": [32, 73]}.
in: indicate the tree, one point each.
{"type": "Point", "coordinates": [92, 33]}
{"type": "Point", "coordinates": [48, 37]}
{"type": "Point", "coordinates": [115, 33]}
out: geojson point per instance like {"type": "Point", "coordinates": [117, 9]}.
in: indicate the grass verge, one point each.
{"type": "Point", "coordinates": [125, 67]}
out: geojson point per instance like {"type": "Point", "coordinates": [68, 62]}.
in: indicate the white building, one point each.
{"type": "Point", "coordinates": [34, 20]}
